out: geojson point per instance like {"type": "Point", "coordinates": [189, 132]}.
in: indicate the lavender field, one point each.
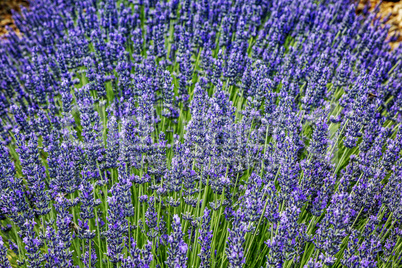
{"type": "Point", "coordinates": [200, 133]}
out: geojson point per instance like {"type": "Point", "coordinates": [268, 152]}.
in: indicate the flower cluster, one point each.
{"type": "Point", "coordinates": [205, 133]}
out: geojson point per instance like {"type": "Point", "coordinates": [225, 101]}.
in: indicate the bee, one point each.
{"type": "Point", "coordinates": [74, 227]}
{"type": "Point", "coordinates": [61, 195]}
{"type": "Point", "coordinates": [372, 95]}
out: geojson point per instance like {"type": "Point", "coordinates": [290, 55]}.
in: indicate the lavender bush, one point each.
{"type": "Point", "coordinates": [145, 133]}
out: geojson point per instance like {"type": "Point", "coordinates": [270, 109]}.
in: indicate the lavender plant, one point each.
{"type": "Point", "coordinates": [146, 133]}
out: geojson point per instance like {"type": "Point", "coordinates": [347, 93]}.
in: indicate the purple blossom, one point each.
{"type": "Point", "coordinates": [205, 239]}
{"type": "Point", "coordinates": [234, 249]}
{"type": "Point", "coordinates": [178, 248]}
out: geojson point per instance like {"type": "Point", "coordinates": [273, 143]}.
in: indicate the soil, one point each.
{"type": "Point", "coordinates": [388, 7]}
{"type": "Point", "coordinates": [5, 13]}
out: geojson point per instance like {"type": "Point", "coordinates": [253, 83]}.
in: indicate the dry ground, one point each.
{"type": "Point", "coordinates": [5, 13]}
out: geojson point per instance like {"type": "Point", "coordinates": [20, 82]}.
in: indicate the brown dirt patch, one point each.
{"type": "Point", "coordinates": [5, 13]}
{"type": "Point", "coordinates": [388, 7]}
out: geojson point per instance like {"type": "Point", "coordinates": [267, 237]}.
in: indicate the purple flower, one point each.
{"type": "Point", "coordinates": [178, 248]}
{"type": "Point", "coordinates": [135, 260]}
{"type": "Point", "coordinates": [205, 239]}
{"type": "Point", "coordinates": [3, 255]}
{"type": "Point", "coordinates": [60, 252]}
{"type": "Point", "coordinates": [234, 248]}
{"type": "Point", "coordinates": [32, 244]}
{"type": "Point", "coordinates": [151, 216]}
